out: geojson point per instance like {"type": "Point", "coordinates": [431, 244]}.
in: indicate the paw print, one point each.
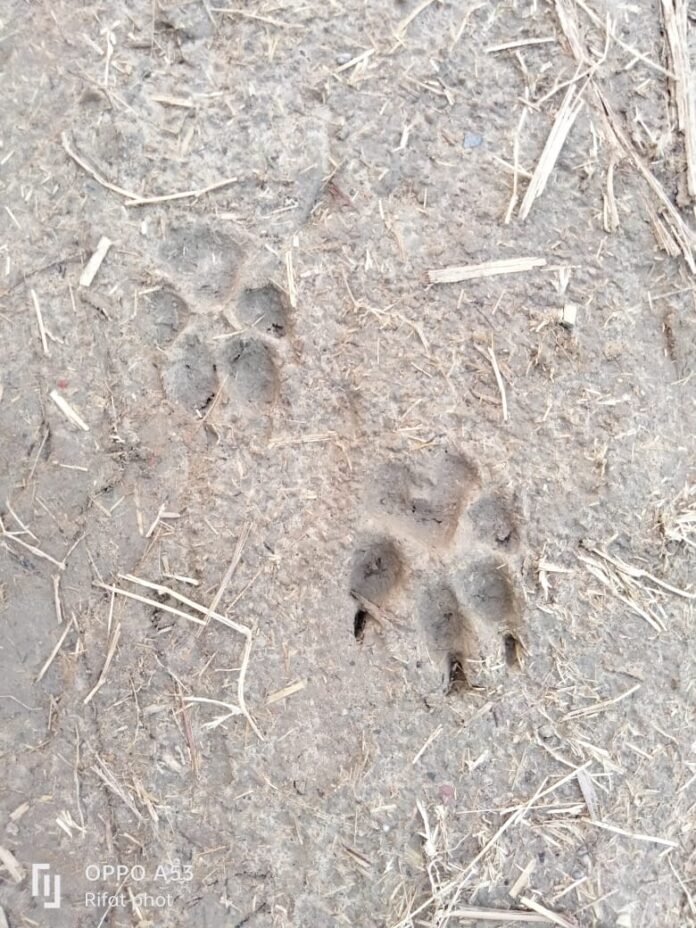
{"type": "Point", "coordinates": [246, 364]}
{"type": "Point", "coordinates": [441, 537]}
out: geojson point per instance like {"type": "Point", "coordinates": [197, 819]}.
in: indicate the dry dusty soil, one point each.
{"type": "Point", "coordinates": [347, 577]}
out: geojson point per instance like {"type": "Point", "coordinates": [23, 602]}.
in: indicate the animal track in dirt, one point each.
{"type": "Point", "coordinates": [163, 314]}
{"type": "Point", "coordinates": [203, 257]}
{"type": "Point", "coordinates": [470, 624]}
{"type": "Point", "coordinates": [264, 308]}
{"type": "Point", "coordinates": [494, 520]}
{"type": "Point", "coordinates": [470, 608]}
{"type": "Point", "coordinates": [377, 570]}
{"type": "Point", "coordinates": [252, 372]}
{"type": "Point", "coordinates": [485, 588]}
{"type": "Point", "coordinates": [189, 377]}
{"type": "Point", "coordinates": [448, 635]}
{"type": "Point", "coordinates": [424, 500]}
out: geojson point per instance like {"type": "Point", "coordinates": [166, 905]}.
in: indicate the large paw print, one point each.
{"type": "Point", "coordinates": [448, 543]}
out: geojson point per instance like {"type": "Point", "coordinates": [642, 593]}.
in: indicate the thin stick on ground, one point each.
{"type": "Point", "coordinates": [500, 916]}
{"type": "Point", "coordinates": [40, 323]}
{"type": "Point", "coordinates": [31, 548]}
{"type": "Point", "coordinates": [553, 917]}
{"type": "Point", "coordinates": [257, 17]}
{"type": "Point", "coordinates": [601, 705]}
{"type": "Point", "coordinates": [188, 731]}
{"type": "Point", "coordinates": [94, 174]}
{"type": "Point", "coordinates": [137, 199]}
{"type": "Point", "coordinates": [611, 219]}
{"type": "Point", "coordinates": [292, 291]}
{"type": "Point", "coordinates": [182, 195]}
{"type": "Point", "coordinates": [637, 573]}
{"type": "Point", "coordinates": [415, 12]}
{"type": "Point", "coordinates": [70, 414]}
{"type": "Point", "coordinates": [649, 839]}
{"type": "Point", "coordinates": [11, 864]}
{"type": "Point", "coordinates": [514, 195]}
{"type": "Point", "coordinates": [111, 650]}
{"type": "Point", "coordinates": [149, 602]}
{"type": "Point", "coordinates": [52, 656]}
{"type": "Point", "coordinates": [25, 528]}
{"type": "Point", "coordinates": [454, 274]}
{"type": "Point", "coordinates": [198, 607]}
{"type": "Point", "coordinates": [231, 708]}
{"type": "Point", "coordinates": [565, 117]}
{"type": "Point", "coordinates": [206, 700]}
{"type": "Point", "coordinates": [95, 262]}
{"type": "Point", "coordinates": [108, 778]}
{"type": "Point", "coordinates": [57, 600]}
{"type": "Point", "coordinates": [236, 557]}
{"type": "Point", "coordinates": [286, 691]}
{"type": "Point", "coordinates": [501, 383]}
{"type": "Point", "coordinates": [520, 43]}
{"type": "Point", "coordinates": [240, 686]}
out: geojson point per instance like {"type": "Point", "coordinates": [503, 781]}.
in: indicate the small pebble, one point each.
{"type": "Point", "coordinates": [472, 140]}
{"type": "Point", "coordinates": [569, 315]}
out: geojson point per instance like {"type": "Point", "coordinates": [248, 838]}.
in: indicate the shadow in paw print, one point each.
{"type": "Point", "coordinates": [264, 308]}
{"type": "Point", "coordinates": [190, 377]}
{"type": "Point", "coordinates": [494, 521]}
{"type": "Point", "coordinates": [253, 379]}
{"type": "Point", "coordinates": [513, 647]}
{"type": "Point", "coordinates": [377, 570]}
{"type": "Point", "coordinates": [424, 498]}
{"type": "Point", "coordinates": [162, 315]}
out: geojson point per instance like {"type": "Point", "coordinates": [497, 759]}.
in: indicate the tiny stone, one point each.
{"type": "Point", "coordinates": [472, 140]}
{"type": "Point", "coordinates": [569, 315]}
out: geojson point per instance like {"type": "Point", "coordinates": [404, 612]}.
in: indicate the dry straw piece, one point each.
{"type": "Point", "coordinates": [136, 199]}
{"type": "Point", "coordinates": [675, 16]}
{"type": "Point", "coordinates": [444, 898]}
{"type": "Point", "coordinates": [11, 864]}
{"type": "Point", "coordinates": [672, 225]}
{"type": "Point", "coordinates": [562, 124]}
{"type": "Point", "coordinates": [95, 262]}
{"type": "Point", "coordinates": [456, 273]}
{"type": "Point", "coordinates": [40, 322]}
{"type": "Point", "coordinates": [68, 411]}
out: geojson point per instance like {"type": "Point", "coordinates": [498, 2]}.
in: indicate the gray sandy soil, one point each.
{"type": "Point", "coordinates": [334, 594]}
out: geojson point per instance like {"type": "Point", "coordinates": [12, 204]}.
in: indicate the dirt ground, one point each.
{"type": "Point", "coordinates": [338, 588]}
